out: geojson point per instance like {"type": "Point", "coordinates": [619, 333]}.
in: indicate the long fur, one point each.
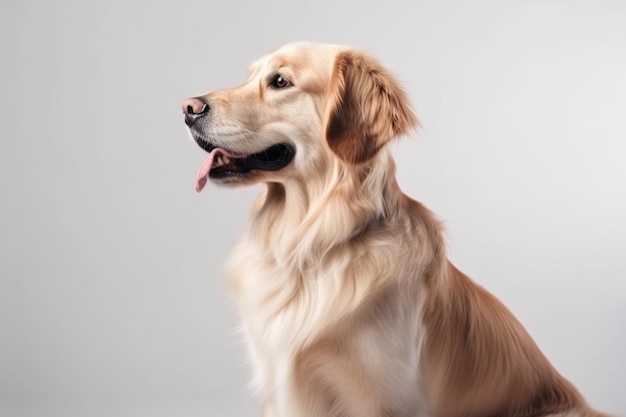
{"type": "Point", "coordinates": [349, 305]}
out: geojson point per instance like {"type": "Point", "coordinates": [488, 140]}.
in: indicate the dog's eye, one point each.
{"type": "Point", "coordinates": [279, 82]}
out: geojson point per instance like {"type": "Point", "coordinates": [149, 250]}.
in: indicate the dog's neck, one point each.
{"type": "Point", "coordinates": [325, 215]}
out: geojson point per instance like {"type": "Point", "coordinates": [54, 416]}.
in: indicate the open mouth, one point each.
{"type": "Point", "coordinates": [223, 164]}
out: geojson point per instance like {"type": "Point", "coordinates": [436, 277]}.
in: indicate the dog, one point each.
{"type": "Point", "coordinates": [348, 302]}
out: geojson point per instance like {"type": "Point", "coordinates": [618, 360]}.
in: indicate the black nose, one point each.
{"type": "Point", "coordinates": [194, 108]}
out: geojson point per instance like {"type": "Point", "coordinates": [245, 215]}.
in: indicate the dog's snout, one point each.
{"type": "Point", "coordinates": [194, 108]}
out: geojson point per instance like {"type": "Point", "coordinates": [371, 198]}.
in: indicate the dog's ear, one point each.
{"type": "Point", "coordinates": [367, 108]}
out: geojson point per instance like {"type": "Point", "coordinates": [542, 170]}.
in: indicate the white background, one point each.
{"type": "Point", "coordinates": [112, 297]}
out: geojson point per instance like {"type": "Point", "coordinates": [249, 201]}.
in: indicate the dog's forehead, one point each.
{"type": "Point", "coordinates": [309, 50]}
{"type": "Point", "coordinates": [296, 55]}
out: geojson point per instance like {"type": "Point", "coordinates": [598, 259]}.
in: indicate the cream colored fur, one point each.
{"type": "Point", "coordinates": [348, 303]}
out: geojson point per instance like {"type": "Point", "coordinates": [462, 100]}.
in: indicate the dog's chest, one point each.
{"type": "Point", "coordinates": [285, 308]}
{"type": "Point", "coordinates": [296, 326]}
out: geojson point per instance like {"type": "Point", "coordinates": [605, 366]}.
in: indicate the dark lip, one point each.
{"type": "Point", "coordinates": [208, 147]}
{"type": "Point", "coordinates": [274, 158]}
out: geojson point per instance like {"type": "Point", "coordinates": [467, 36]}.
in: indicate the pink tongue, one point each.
{"type": "Point", "coordinates": [207, 164]}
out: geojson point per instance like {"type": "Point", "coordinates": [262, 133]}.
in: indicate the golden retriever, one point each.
{"type": "Point", "coordinates": [349, 305]}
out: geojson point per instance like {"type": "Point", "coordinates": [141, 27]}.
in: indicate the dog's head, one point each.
{"type": "Point", "coordinates": [303, 104]}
